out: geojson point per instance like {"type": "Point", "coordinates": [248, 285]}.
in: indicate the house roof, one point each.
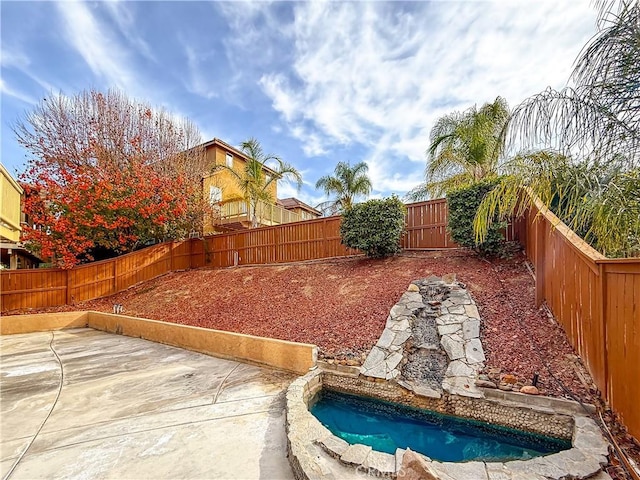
{"type": "Point", "coordinates": [232, 149]}
{"type": "Point", "coordinates": [292, 202]}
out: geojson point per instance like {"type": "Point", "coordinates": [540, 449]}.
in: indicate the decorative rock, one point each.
{"type": "Point", "coordinates": [393, 360]}
{"type": "Point", "coordinates": [399, 457]}
{"type": "Point", "coordinates": [334, 446]}
{"type": "Point", "coordinates": [463, 386]}
{"type": "Point", "coordinates": [472, 311]}
{"type": "Point", "coordinates": [474, 352]}
{"type": "Point", "coordinates": [457, 309]}
{"type": "Point", "coordinates": [459, 369]}
{"type": "Point", "coordinates": [414, 467]}
{"type": "Point", "coordinates": [505, 387]}
{"type": "Point", "coordinates": [508, 378]}
{"type": "Point", "coordinates": [538, 465]}
{"type": "Point", "coordinates": [386, 339]}
{"type": "Point", "coordinates": [460, 471]}
{"type": "Point", "coordinates": [530, 390]}
{"type": "Point", "coordinates": [402, 325]}
{"type": "Point", "coordinates": [355, 454]}
{"type": "Point", "coordinates": [400, 310]}
{"type": "Point", "coordinates": [380, 463]}
{"type": "Point", "coordinates": [574, 461]}
{"type": "Point", "coordinates": [413, 288]}
{"type": "Point", "coordinates": [448, 319]}
{"type": "Point", "coordinates": [485, 384]}
{"type": "Point", "coordinates": [449, 278]}
{"type": "Point", "coordinates": [426, 391]}
{"type": "Point", "coordinates": [454, 349]}
{"type": "Point", "coordinates": [411, 297]}
{"type": "Point", "coordinates": [497, 471]}
{"type": "Point", "coordinates": [401, 337]}
{"type": "Point", "coordinates": [449, 329]}
{"type": "Point", "coordinates": [483, 377]}
{"type": "Point", "coordinates": [376, 357]}
{"type": "Point", "coordinates": [471, 329]}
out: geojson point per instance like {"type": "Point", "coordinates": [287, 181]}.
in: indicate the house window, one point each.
{"type": "Point", "coordinates": [229, 160]}
{"type": "Point", "coordinates": [215, 195]}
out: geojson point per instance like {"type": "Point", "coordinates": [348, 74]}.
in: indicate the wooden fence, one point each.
{"type": "Point", "coordinates": [595, 299]}
{"type": "Point", "coordinates": [26, 289]}
{"type": "Point", "coordinates": [308, 240]}
{"type": "Point", "coordinates": [597, 302]}
{"type": "Point", "coordinates": [291, 242]}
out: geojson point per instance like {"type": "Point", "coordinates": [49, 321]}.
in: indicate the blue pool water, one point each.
{"type": "Point", "coordinates": [386, 426]}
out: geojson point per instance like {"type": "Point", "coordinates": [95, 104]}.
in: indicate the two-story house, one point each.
{"type": "Point", "coordinates": [231, 211]}
{"type": "Point", "coordinates": [12, 254]}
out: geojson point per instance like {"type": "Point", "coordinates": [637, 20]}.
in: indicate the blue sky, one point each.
{"type": "Point", "coordinates": [316, 83]}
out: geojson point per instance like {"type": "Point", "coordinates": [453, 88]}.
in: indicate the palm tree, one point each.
{"type": "Point", "coordinates": [591, 129]}
{"type": "Point", "coordinates": [464, 148]}
{"type": "Point", "coordinates": [345, 185]}
{"type": "Point", "coordinates": [256, 178]}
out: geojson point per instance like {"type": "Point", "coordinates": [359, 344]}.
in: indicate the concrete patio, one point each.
{"type": "Point", "coordinates": [129, 408]}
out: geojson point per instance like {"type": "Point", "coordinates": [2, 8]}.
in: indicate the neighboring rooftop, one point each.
{"type": "Point", "coordinates": [291, 202]}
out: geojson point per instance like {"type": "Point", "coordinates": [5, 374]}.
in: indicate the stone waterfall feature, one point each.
{"type": "Point", "coordinates": [431, 341]}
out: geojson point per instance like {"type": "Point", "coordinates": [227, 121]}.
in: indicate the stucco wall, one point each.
{"type": "Point", "coordinates": [10, 193]}
{"type": "Point", "coordinates": [281, 354]}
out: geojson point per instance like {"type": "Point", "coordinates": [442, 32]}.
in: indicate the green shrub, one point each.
{"type": "Point", "coordinates": [463, 204]}
{"type": "Point", "coordinates": [374, 227]}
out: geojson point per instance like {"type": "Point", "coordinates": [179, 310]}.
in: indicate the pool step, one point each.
{"type": "Point", "coordinates": [376, 463]}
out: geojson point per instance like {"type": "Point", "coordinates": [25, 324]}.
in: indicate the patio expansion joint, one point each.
{"type": "Point", "coordinates": [134, 432]}
{"type": "Point", "coordinates": [53, 406]}
{"type": "Point", "coordinates": [221, 386]}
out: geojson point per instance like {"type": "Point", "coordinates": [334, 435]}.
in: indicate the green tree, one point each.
{"type": "Point", "coordinates": [260, 171]}
{"type": "Point", "coordinates": [464, 148]}
{"type": "Point", "coordinates": [346, 185]}
{"type": "Point", "coordinates": [588, 173]}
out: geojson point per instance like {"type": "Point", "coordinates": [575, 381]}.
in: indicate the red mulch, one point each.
{"type": "Point", "coordinates": [342, 305]}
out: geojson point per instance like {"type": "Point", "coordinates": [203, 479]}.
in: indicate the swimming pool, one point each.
{"type": "Point", "coordinates": [387, 426]}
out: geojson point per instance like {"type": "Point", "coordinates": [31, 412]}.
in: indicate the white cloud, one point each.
{"type": "Point", "coordinates": [197, 82]}
{"type": "Point", "coordinates": [97, 45]}
{"type": "Point", "coordinates": [379, 74]}
{"type": "Point", "coordinates": [17, 94]}
{"type": "Point", "coordinates": [126, 21]}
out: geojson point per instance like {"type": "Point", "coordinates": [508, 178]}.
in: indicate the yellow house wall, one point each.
{"type": "Point", "coordinates": [305, 214]}
{"type": "Point", "coordinates": [216, 155]}
{"type": "Point", "coordinates": [10, 193]}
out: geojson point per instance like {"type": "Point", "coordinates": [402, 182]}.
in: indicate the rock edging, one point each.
{"type": "Point", "coordinates": [305, 434]}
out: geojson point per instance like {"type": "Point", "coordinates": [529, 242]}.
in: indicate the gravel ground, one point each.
{"type": "Point", "coordinates": [342, 305]}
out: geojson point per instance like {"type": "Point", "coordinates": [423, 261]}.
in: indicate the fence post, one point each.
{"type": "Point", "coordinates": [68, 292]}
{"type": "Point", "coordinates": [602, 274]}
{"type": "Point", "coordinates": [538, 225]}
{"type": "Point", "coordinates": [324, 238]}
{"type": "Point", "coordinates": [115, 276]}
{"type": "Point", "coordinates": [171, 256]}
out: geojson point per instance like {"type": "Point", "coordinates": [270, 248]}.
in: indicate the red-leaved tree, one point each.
{"type": "Point", "coordinates": [110, 174]}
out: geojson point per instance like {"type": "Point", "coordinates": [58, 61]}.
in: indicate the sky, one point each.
{"type": "Point", "coordinates": [315, 82]}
